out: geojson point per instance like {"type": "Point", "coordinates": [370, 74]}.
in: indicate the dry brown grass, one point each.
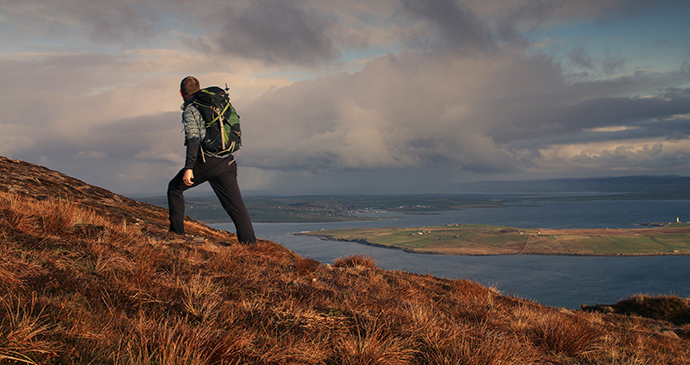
{"type": "Point", "coordinates": [80, 287]}
{"type": "Point", "coordinates": [356, 260]}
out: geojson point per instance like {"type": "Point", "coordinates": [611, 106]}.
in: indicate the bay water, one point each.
{"type": "Point", "coordinates": [559, 281]}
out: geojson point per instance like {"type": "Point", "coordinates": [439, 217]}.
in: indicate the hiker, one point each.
{"type": "Point", "coordinates": [219, 169]}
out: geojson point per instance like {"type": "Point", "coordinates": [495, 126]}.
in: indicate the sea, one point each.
{"type": "Point", "coordinates": [552, 280]}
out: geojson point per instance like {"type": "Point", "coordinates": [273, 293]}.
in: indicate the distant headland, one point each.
{"type": "Point", "coordinates": [477, 239]}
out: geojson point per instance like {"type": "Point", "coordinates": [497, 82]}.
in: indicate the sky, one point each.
{"type": "Point", "coordinates": [351, 96]}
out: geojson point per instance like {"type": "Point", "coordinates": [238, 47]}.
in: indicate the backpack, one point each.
{"type": "Point", "coordinates": [221, 121]}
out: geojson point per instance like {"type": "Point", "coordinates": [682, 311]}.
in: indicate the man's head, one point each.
{"type": "Point", "coordinates": [189, 86]}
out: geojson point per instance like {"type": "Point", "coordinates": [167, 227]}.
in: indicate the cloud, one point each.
{"type": "Point", "coordinates": [485, 113]}
{"type": "Point", "coordinates": [274, 32]}
{"type": "Point", "coordinates": [404, 111]}
{"type": "Point", "coordinates": [635, 156]}
{"type": "Point", "coordinates": [102, 21]}
{"type": "Point", "coordinates": [445, 88]}
{"type": "Point", "coordinates": [102, 117]}
{"type": "Point", "coordinates": [11, 141]}
{"type": "Point", "coordinates": [550, 13]}
{"type": "Point", "coordinates": [612, 63]}
{"type": "Point", "coordinates": [90, 155]}
{"type": "Point", "coordinates": [455, 24]}
{"type": "Point", "coordinates": [87, 114]}
{"type": "Point", "coordinates": [579, 57]}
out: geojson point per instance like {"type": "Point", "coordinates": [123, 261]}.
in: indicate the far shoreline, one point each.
{"type": "Point", "coordinates": [367, 243]}
{"type": "Point", "coordinates": [657, 239]}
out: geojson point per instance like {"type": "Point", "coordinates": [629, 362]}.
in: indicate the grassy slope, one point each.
{"type": "Point", "coordinates": [475, 239]}
{"type": "Point", "coordinates": [89, 284]}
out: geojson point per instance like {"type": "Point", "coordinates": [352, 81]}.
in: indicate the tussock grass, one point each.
{"type": "Point", "coordinates": [78, 286]}
{"type": "Point", "coordinates": [24, 330]}
{"type": "Point", "coordinates": [355, 261]}
{"type": "Point", "coordinates": [665, 307]}
{"type": "Point", "coordinates": [570, 335]}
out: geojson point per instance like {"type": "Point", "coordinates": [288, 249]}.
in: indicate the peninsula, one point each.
{"type": "Point", "coordinates": [476, 239]}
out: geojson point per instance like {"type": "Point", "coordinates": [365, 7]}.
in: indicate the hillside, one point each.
{"type": "Point", "coordinates": [91, 277]}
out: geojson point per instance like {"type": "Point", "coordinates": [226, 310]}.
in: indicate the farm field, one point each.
{"type": "Point", "coordinates": [476, 239]}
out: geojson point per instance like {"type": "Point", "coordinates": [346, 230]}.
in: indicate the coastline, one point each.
{"type": "Point", "coordinates": [575, 242]}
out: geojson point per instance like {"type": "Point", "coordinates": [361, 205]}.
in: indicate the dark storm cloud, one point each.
{"type": "Point", "coordinates": [603, 112]}
{"type": "Point", "coordinates": [275, 32]}
{"type": "Point", "coordinates": [456, 24]}
{"type": "Point", "coordinates": [674, 130]}
{"type": "Point", "coordinates": [561, 121]}
{"type": "Point", "coordinates": [631, 131]}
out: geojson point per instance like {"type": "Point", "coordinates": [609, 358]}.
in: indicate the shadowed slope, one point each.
{"type": "Point", "coordinates": [90, 277]}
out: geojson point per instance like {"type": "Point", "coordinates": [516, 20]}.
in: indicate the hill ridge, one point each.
{"type": "Point", "coordinates": [37, 182]}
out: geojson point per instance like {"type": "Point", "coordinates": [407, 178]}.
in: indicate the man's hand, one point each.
{"type": "Point", "coordinates": [188, 177]}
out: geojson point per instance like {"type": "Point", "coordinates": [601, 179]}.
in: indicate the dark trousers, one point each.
{"type": "Point", "coordinates": [223, 179]}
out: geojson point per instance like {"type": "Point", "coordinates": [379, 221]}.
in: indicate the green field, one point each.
{"type": "Point", "coordinates": [476, 239]}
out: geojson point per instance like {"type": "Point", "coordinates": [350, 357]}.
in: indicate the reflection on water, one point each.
{"type": "Point", "coordinates": [562, 281]}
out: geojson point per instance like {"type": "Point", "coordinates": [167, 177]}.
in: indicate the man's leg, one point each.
{"type": "Point", "coordinates": [228, 191]}
{"type": "Point", "coordinates": [176, 203]}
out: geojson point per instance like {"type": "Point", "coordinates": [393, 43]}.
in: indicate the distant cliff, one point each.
{"type": "Point", "coordinates": [91, 277]}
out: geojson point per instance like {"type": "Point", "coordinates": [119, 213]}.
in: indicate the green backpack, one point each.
{"type": "Point", "coordinates": [220, 120]}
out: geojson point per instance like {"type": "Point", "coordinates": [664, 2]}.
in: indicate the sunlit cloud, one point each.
{"type": "Point", "coordinates": [612, 129]}
{"type": "Point", "coordinates": [635, 155]}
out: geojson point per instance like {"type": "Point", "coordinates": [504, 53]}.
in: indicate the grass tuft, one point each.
{"type": "Point", "coordinates": [665, 307]}
{"type": "Point", "coordinates": [24, 329]}
{"type": "Point", "coordinates": [369, 343]}
{"type": "Point", "coordinates": [305, 266]}
{"type": "Point", "coordinates": [565, 335]}
{"type": "Point", "coordinates": [355, 261]}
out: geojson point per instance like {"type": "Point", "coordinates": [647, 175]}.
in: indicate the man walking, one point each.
{"type": "Point", "coordinates": [219, 169]}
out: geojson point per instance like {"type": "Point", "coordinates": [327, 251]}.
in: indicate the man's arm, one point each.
{"type": "Point", "coordinates": [192, 152]}
{"type": "Point", "coordinates": [190, 160]}
{"type": "Point", "coordinates": [191, 119]}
